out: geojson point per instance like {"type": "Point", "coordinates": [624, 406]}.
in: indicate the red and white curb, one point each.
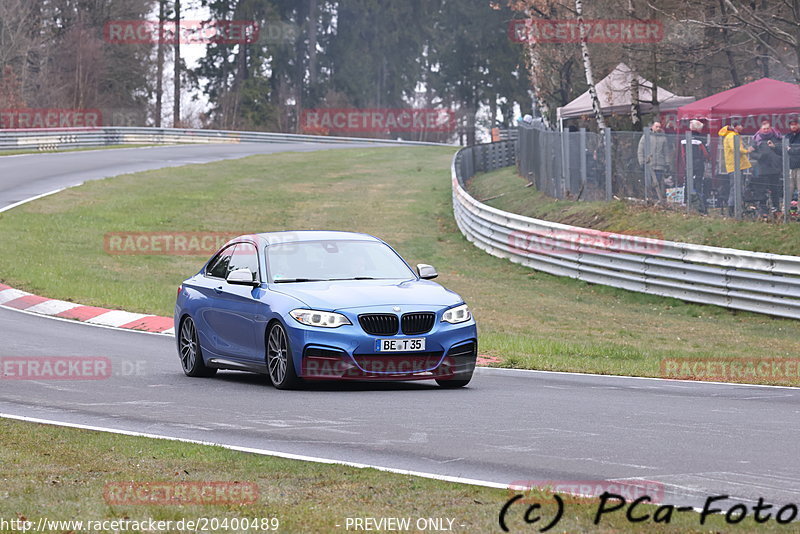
{"type": "Point", "coordinates": [28, 302]}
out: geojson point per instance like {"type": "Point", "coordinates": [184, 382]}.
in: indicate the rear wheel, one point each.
{"type": "Point", "coordinates": [190, 353]}
{"type": "Point", "coordinates": [280, 365]}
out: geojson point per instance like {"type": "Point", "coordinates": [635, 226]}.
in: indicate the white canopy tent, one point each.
{"type": "Point", "coordinates": [614, 93]}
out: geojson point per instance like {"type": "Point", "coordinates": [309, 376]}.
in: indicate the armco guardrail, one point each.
{"type": "Point", "coordinates": [752, 281]}
{"type": "Point", "coordinates": [59, 139]}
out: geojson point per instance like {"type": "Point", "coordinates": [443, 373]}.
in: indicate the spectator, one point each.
{"type": "Point", "coordinates": [766, 132]}
{"type": "Point", "coordinates": [659, 157]}
{"type": "Point", "coordinates": [766, 183]}
{"type": "Point", "coordinates": [699, 156]}
{"type": "Point", "coordinates": [794, 158]}
{"type": "Point", "coordinates": [728, 133]}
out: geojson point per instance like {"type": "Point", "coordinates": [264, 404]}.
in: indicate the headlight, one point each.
{"type": "Point", "coordinates": [459, 314]}
{"type": "Point", "coordinates": [319, 318]}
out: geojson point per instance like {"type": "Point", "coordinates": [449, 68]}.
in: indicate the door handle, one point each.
{"type": "Point", "coordinates": [218, 290]}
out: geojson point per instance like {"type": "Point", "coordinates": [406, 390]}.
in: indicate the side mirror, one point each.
{"type": "Point", "coordinates": [426, 272]}
{"type": "Point", "coordinates": [242, 277]}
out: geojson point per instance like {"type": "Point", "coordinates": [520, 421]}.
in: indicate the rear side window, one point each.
{"type": "Point", "coordinates": [219, 266]}
{"type": "Point", "coordinates": [244, 257]}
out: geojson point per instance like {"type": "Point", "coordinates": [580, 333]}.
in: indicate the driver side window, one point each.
{"type": "Point", "coordinates": [245, 257]}
{"type": "Point", "coordinates": [219, 266]}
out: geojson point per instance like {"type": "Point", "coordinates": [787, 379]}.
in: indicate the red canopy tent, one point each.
{"type": "Point", "coordinates": [750, 104]}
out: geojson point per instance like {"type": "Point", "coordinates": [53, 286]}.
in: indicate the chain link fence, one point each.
{"type": "Point", "coordinates": [659, 168]}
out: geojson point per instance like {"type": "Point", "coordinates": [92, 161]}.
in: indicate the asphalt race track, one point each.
{"type": "Point", "coordinates": [698, 439]}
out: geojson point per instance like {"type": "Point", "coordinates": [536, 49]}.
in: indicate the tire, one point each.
{"type": "Point", "coordinates": [189, 351]}
{"type": "Point", "coordinates": [453, 383]}
{"type": "Point", "coordinates": [280, 364]}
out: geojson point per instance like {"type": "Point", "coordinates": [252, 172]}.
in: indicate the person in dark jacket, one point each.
{"type": "Point", "coordinates": [794, 157]}
{"type": "Point", "coordinates": [767, 183]}
{"type": "Point", "coordinates": [700, 156]}
{"type": "Point", "coordinates": [765, 133]}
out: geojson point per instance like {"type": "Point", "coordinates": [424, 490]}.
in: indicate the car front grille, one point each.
{"type": "Point", "coordinates": [415, 324]}
{"type": "Point", "coordinates": [403, 363]}
{"type": "Point", "coordinates": [379, 324]}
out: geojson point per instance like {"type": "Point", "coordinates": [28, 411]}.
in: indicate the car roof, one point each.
{"type": "Point", "coordinates": [299, 236]}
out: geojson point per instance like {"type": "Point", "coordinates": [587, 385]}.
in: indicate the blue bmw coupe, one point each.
{"type": "Point", "coordinates": [318, 305]}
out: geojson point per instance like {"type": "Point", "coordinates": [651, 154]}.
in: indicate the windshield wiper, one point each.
{"type": "Point", "coordinates": [354, 278]}
{"type": "Point", "coordinates": [289, 280]}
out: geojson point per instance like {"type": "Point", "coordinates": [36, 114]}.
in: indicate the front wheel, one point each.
{"type": "Point", "coordinates": [280, 365]}
{"type": "Point", "coordinates": [453, 383]}
{"type": "Point", "coordinates": [190, 353]}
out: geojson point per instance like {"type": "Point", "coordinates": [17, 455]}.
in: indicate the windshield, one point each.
{"type": "Point", "coordinates": [334, 260]}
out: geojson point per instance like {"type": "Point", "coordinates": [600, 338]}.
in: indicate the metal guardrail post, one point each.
{"type": "Point", "coordinates": [787, 182]}
{"type": "Point", "coordinates": [582, 150]}
{"type": "Point", "coordinates": [648, 162]}
{"type": "Point", "coordinates": [689, 186]}
{"type": "Point", "coordinates": [565, 170]}
{"type": "Point", "coordinates": [607, 139]}
{"type": "Point", "coordinates": [737, 177]}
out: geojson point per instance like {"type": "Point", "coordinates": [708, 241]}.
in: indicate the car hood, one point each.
{"type": "Point", "coordinates": [344, 294]}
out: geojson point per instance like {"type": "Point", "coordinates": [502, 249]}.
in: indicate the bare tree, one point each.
{"type": "Point", "coordinates": [162, 15]}
{"type": "Point", "coordinates": [587, 66]}
{"type": "Point", "coordinates": [176, 102]}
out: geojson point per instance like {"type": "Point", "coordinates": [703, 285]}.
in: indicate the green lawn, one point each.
{"type": "Point", "coordinates": [54, 247]}
{"type": "Point", "coordinates": [505, 190]}
{"type": "Point", "coordinates": [64, 474]}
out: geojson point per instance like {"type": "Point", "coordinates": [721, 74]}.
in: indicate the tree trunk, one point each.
{"type": "Point", "coordinates": [312, 42]}
{"type": "Point", "coordinates": [709, 37]}
{"type": "Point", "coordinates": [726, 39]}
{"type": "Point", "coordinates": [654, 91]}
{"type": "Point", "coordinates": [587, 67]}
{"type": "Point", "coordinates": [176, 104]}
{"type": "Point", "coordinates": [162, 9]}
{"type": "Point", "coordinates": [636, 117]}
{"type": "Point", "coordinates": [532, 58]}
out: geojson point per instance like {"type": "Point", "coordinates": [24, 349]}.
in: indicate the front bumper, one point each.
{"type": "Point", "coordinates": [348, 352]}
{"type": "Point", "coordinates": [327, 364]}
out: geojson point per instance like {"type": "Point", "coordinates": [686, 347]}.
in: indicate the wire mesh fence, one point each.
{"type": "Point", "coordinates": [687, 171]}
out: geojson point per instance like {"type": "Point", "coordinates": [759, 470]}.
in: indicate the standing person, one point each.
{"type": "Point", "coordinates": [794, 158]}
{"type": "Point", "coordinates": [769, 166]}
{"type": "Point", "coordinates": [766, 133]}
{"type": "Point", "coordinates": [659, 157]}
{"type": "Point", "coordinates": [699, 156]}
{"type": "Point", "coordinates": [728, 133]}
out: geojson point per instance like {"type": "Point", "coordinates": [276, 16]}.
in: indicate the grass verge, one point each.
{"type": "Point", "coordinates": [55, 247]}
{"type": "Point", "coordinates": [64, 474]}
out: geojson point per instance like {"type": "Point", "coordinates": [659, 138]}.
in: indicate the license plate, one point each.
{"type": "Point", "coordinates": [400, 345]}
